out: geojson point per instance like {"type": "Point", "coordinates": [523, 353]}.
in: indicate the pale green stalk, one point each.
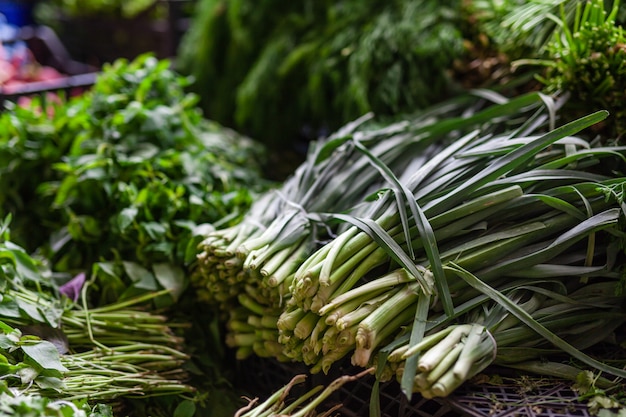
{"type": "Point", "coordinates": [387, 322]}
{"type": "Point", "coordinates": [394, 278]}
{"type": "Point", "coordinates": [427, 361]}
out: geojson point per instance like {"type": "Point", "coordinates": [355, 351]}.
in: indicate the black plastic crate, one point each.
{"type": "Point", "coordinates": [519, 395]}
{"type": "Point", "coordinates": [522, 396]}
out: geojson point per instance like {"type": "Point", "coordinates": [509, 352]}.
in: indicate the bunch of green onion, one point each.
{"type": "Point", "coordinates": [496, 202]}
{"type": "Point", "coordinates": [504, 208]}
{"type": "Point", "coordinates": [247, 269]}
{"type": "Point", "coordinates": [255, 262]}
{"type": "Point", "coordinates": [488, 334]}
{"type": "Point", "coordinates": [509, 209]}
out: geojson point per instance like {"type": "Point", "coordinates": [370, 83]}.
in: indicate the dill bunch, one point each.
{"type": "Point", "coordinates": [278, 71]}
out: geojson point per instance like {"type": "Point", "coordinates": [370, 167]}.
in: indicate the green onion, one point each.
{"type": "Point", "coordinates": [465, 236]}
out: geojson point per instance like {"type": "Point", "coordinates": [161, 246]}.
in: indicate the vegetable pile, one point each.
{"type": "Point", "coordinates": [121, 178]}
{"type": "Point", "coordinates": [118, 183]}
{"type": "Point", "coordinates": [426, 239]}
{"type": "Point", "coordinates": [502, 232]}
{"type": "Point", "coordinates": [56, 348]}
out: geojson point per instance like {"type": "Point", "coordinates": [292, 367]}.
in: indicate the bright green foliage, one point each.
{"type": "Point", "coordinates": [36, 406]}
{"type": "Point", "coordinates": [123, 174]}
{"type": "Point", "coordinates": [523, 28]}
{"type": "Point", "coordinates": [274, 68]}
{"type": "Point", "coordinates": [50, 346]}
{"type": "Point", "coordinates": [589, 61]}
{"type": "Point", "coordinates": [115, 184]}
{"type": "Point", "coordinates": [580, 44]}
{"type": "Point", "coordinates": [28, 359]}
{"type": "Point", "coordinates": [519, 28]}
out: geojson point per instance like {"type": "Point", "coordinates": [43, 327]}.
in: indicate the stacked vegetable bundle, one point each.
{"type": "Point", "coordinates": [122, 176]}
{"type": "Point", "coordinates": [54, 347]}
{"type": "Point", "coordinates": [109, 190]}
{"type": "Point", "coordinates": [503, 232]}
{"type": "Point", "coordinates": [253, 263]}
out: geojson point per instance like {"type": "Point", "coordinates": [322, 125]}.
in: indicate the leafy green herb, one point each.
{"type": "Point", "coordinates": [124, 177]}
{"type": "Point", "coordinates": [281, 70]}
{"type": "Point", "coordinates": [520, 29]}
{"type": "Point", "coordinates": [61, 348]}
{"type": "Point", "coordinates": [28, 405]}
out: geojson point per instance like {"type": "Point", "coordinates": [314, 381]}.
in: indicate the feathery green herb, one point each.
{"type": "Point", "coordinates": [277, 69]}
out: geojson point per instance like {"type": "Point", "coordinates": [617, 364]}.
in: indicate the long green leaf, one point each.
{"type": "Point", "coordinates": [560, 204]}
{"type": "Point", "coordinates": [417, 334]}
{"type": "Point", "coordinates": [528, 320]}
{"type": "Point", "coordinates": [513, 106]}
{"type": "Point", "coordinates": [481, 203]}
{"type": "Point", "coordinates": [558, 245]}
{"type": "Point", "coordinates": [339, 138]}
{"type": "Point", "coordinates": [404, 197]}
{"type": "Point", "coordinates": [585, 154]}
{"type": "Point", "coordinates": [543, 175]}
{"type": "Point", "coordinates": [550, 270]}
{"type": "Point", "coordinates": [514, 159]}
{"type": "Point", "coordinates": [382, 238]}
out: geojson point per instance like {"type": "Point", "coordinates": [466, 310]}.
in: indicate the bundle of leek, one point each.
{"type": "Point", "coordinates": [519, 330]}
{"type": "Point", "coordinates": [255, 262]}
{"type": "Point", "coordinates": [279, 231]}
{"type": "Point", "coordinates": [498, 207]}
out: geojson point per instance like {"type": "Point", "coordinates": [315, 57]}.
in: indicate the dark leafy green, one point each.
{"type": "Point", "coordinates": [588, 61]}
{"type": "Point", "coordinates": [27, 405]}
{"type": "Point", "coordinates": [279, 69]}
{"type": "Point", "coordinates": [123, 178]}
{"type": "Point", "coordinates": [25, 360]}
